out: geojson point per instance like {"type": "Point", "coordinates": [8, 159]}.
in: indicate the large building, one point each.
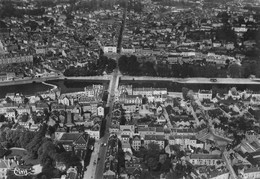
{"type": "Point", "coordinates": [15, 58]}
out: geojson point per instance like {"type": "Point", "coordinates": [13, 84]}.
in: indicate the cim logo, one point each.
{"type": "Point", "coordinates": [22, 171]}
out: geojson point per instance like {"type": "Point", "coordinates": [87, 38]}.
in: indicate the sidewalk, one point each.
{"type": "Point", "coordinates": [91, 168]}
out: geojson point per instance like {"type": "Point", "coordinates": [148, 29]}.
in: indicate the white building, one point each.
{"type": "Point", "coordinates": [204, 159]}
{"type": "Point", "coordinates": [204, 94]}
{"type": "Point", "coordinates": [251, 173]}
{"type": "Point", "coordinates": [100, 111]}
{"type": "Point", "coordinates": [157, 139]}
{"type": "Point", "coordinates": [109, 49]}
{"type": "Point", "coordinates": [94, 134]}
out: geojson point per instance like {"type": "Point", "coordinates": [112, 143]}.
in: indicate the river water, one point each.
{"type": "Point", "coordinates": [78, 85]}
{"type": "Point", "coordinates": [66, 86]}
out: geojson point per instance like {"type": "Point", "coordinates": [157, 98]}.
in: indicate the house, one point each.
{"type": "Point", "coordinates": [64, 100]}
{"type": "Point", "coordinates": [127, 147]}
{"type": "Point", "coordinates": [69, 122]}
{"type": "Point", "coordinates": [127, 127]}
{"type": "Point", "coordinates": [100, 111]}
{"type": "Point", "coordinates": [125, 138]}
{"type": "Point", "coordinates": [59, 132]}
{"type": "Point", "coordinates": [185, 141]}
{"type": "Point", "coordinates": [72, 173]}
{"type": "Point", "coordinates": [58, 107]}
{"type": "Point", "coordinates": [10, 113]}
{"type": "Point", "coordinates": [109, 49]}
{"type": "Point", "coordinates": [169, 149]}
{"type": "Point", "coordinates": [143, 91]}
{"type": "Point", "coordinates": [10, 95]}
{"type": "Point", "coordinates": [249, 173]}
{"type": "Point", "coordinates": [23, 109]}
{"type": "Point", "coordinates": [204, 94]}
{"type": "Point", "coordinates": [127, 132]}
{"type": "Point", "coordinates": [183, 132]}
{"type": "Point", "coordinates": [130, 108]}
{"type": "Point", "coordinates": [18, 98]}
{"type": "Point", "coordinates": [143, 131]}
{"type": "Point", "coordinates": [125, 90]}
{"type": "Point", "coordinates": [136, 142]}
{"type": "Point", "coordinates": [77, 142]}
{"type": "Point", "coordinates": [109, 174]}
{"type": "Point", "coordinates": [74, 109]}
{"type": "Point", "coordinates": [89, 90]}
{"type": "Point", "coordinates": [52, 94]}
{"type": "Point", "coordinates": [41, 107]}
{"type": "Point", "coordinates": [130, 99]}
{"type": "Point", "coordinates": [158, 139]}
{"type": "Point", "coordinates": [94, 131]}
{"type": "Point", "coordinates": [219, 174]}
{"type": "Point", "coordinates": [133, 168]}
{"type": "Point", "coordinates": [204, 159]}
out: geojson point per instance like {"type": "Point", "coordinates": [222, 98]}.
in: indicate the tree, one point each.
{"type": "Point", "coordinates": [122, 120]}
{"type": "Point", "coordinates": [2, 118]}
{"type": "Point", "coordinates": [235, 70]}
{"type": "Point", "coordinates": [46, 152]}
{"type": "Point", "coordinates": [190, 95]}
{"type": "Point", "coordinates": [152, 163]}
{"type": "Point", "coordinates": [166, 166]}
{"type": "Point", "coordinates": [152, 156]}
{"type": "Point", "coordinates": [36, 142]}
{"type": "Point", "coordinates": [69, 159]}
{"type": "Point", "coordinates": [25, 117]}
{"type": "Point", "coordinates": [185, 92]}
{"type": "Point", "coordinates": [26, 137]}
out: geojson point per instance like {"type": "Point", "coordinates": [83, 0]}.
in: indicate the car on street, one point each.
{"type": "Point", "coordinates": [213, 80]}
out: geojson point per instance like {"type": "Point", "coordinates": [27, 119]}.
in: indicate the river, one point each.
{"type": "Point", "coordinates": [67, 86]}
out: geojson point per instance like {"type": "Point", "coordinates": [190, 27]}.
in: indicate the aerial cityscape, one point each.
{"type": "Point", "coordinates": [129, 89]}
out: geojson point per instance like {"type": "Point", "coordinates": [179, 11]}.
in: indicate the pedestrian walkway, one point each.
{"type": "Point", "coordinates": [91, 168]}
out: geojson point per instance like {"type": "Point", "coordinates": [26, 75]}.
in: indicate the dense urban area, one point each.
{"type": "Point", "coordinates": [129, 123]}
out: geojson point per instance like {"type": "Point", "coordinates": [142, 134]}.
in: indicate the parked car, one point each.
{"type": "Point", "coordinates": [213, 80]}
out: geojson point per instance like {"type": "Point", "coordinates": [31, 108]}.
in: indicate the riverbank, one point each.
{"type": "Point", "coordinates": [242, 81]}
{"type": "Point", "coordinates": [195, 80]}
{"type": "Point", "coordinates": [28, 80]}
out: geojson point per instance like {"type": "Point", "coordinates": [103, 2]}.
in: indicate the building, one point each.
{"type": "Point", "coordinates": [15, 58]}
{"type": "Point", "coordinates": [125, 89]}
{"type": "Point", "coordinates": [185, 141]}
{"type": "Point", "coordinates": [6, 165]}
{"type": "Point", "coordinates": [130, 99]}
{"type": "Point", "coordinates": [109, 49]}
{"type": "Point", "coordinates": [100, 111]}
{"type": "Point", "coordinates": [204, 159]}
{"type": "Point", "coordinates": [157, 139]}
{"type": "Point", "coordinates": [10, 113]}
{"type": "Point", "coordinates": [136, 142]}
{"type": "Point", "coordinates": [250, 173]}
{"type": "Point", "coordinates": [205, 95]}
{"type": "Point", "coordinates": [77, 142]}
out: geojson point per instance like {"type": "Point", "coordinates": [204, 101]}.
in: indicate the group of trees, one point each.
{"type": "Point", "coordinates": [131, 66]}
{"type": "Point", "coordinates": [16, 138]}
{"type": "Point", "coordinates": [103, 64]}
{"type": "Point", "coordinates": [8, 10]}
{"type": "Point", "coordinates": [38, 147]}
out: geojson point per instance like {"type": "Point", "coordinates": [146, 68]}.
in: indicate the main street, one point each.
{"type": "Point", "coordinates": [110, 102]}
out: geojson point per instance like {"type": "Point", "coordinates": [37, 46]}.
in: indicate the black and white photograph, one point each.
{"type": "Point", "coordinates": [129, 89]}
